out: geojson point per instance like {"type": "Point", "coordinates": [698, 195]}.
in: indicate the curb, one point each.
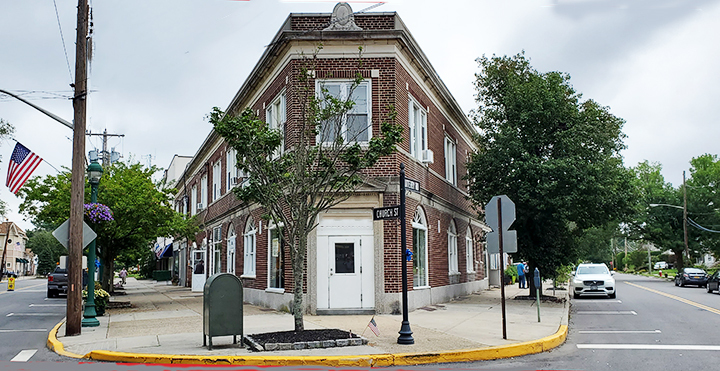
{"type": "Point", "coordinates": [377, 360]}
{"type": "Point", "coordinates": [56, 346]}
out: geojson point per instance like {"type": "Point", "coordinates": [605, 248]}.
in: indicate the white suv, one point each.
{"type": "Point", "coordinates": [593, 280]}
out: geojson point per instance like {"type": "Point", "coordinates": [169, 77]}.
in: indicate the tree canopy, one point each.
{"type": "Point", "coordinates": [556, 156]}
{"type": "Point", "coordinates": [142, 210]}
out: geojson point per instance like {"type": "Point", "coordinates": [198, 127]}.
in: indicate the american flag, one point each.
{"type": "Point", "coordinates": [373, 327]}
{"type": "Point", "coordinates": [22, 163]}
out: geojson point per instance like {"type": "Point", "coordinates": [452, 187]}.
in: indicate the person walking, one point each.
{"type": "Point", "coordinates": [123, 275]}
{"type": "Point", "coordinates": [521, 275]}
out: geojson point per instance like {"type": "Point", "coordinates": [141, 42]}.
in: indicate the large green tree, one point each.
{"type": "Point", "coordinates": [141, 209]}
{"type": "Point", "coordinates": [317, 165]}
{"type": "Point", "coordinates": [556, 156]}
{"type": "Point", "coordinates": [703, 197]}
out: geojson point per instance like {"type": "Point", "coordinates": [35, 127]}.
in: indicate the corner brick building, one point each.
{"type": "Point", "coordinates": [353, 262]}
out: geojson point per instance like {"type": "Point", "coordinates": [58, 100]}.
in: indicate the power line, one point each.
{"type": "Point", "coordinates": [698, 226]}
{"type": "Point", "coordinates": [67, 60]}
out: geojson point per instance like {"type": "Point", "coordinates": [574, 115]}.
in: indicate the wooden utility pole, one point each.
{"type": "Point", "coordinates": [77, 190]}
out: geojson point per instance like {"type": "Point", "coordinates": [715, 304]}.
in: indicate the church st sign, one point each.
{"type": "Point", "coordinates": [383, 213]}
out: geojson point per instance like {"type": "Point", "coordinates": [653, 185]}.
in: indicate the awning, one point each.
{"type": "Point", "coordinates": [21, 260]}
{"type": "Point", "coordinates": [167, 252]}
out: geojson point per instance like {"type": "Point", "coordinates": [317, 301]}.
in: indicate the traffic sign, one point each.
{"type": "Point", "coordinates": [412, 185]}
{"type": "Point", "coordinates": [493, 221]}
{"type": "Point", "coordinates": [62, 234]}
{"type": "Point", "coordinates": [383, 213]}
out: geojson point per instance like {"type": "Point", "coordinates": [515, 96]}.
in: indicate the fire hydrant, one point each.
{"type": "Point", "coordinates": [660, 272]}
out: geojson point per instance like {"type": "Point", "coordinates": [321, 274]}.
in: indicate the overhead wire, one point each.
{"type": "Point", "coordinates": [698, 226]}
{"type": "Point", "coordinates": [62, 38]}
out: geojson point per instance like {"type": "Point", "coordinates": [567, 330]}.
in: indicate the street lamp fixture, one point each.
{"type": "Point", "coordinates": [94, 172]}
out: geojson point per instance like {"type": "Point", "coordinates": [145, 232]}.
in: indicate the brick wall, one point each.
{"type": "Point", "coordinates": [366, 22]}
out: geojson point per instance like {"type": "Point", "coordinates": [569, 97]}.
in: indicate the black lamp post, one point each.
{"type": "Point", "coordinates": [94, 171]}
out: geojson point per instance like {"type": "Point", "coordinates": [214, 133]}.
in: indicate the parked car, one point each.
{"type": "Point", "coordinates": [712, 282]}
{"type": "Point", "coordinates": [691, 276]}
{"type": "Point", "coordinates": [57, 282]}
{"type": "Point", "coordinates": [593, 280]}
{"type": "Point", "coordinates": [661, 265]}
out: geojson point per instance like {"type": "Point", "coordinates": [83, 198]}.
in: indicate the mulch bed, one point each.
{"type": "Point", "coordinates": [542, 298]}
{"type": "Point", "coordinates": [307, 335]}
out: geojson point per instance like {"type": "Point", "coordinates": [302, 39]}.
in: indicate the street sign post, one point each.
{"type": "Point", "coordinates": [62, 234]}
{"type": "Point", "coordinates": [388, 212]}
{"type": "Point", "coordinates": [412, 185]}
{"type": "Point", "coordinates": [499, 215]}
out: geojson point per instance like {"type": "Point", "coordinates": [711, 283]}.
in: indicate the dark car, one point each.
{"type": "Point", "coordinates": [691, 276]}
{"type": "Point", "coordinates": [712, 283]}
{"type": "Point", "coordinates": [57, 282]}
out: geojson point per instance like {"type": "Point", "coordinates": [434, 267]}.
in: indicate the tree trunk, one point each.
{"type": "Point", "coordinates": [298, 259]}
{"type": "Point", "coordinates": [108, 273]}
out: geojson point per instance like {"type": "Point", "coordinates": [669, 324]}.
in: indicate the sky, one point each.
{"type": "Point", "coordinates": [159, 66]}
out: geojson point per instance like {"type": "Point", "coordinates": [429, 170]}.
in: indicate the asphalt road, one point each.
{"type": "Point", "coordinates": [26, 318]}
{"type": "Point", "coordinates": [651, 325]}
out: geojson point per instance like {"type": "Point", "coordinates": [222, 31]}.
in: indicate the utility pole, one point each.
{"type": "Point", "coordinates": [687, 250]}
{"type": "Point", "coordinates": [106, 157]}
{"type": "Point", "coordinates": [77, 190]}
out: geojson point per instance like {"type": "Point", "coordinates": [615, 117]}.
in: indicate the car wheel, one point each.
{"type": "Point", "coordinates": [709, 290]}
{"type": "Point", "coordinates": [676, 283]}
{"type": "Point", "coordinates": [50, 294]}
{"type": "Point", "coordinates": [613, 295]}
{"type": "Point", "coordinates": [682, 283]}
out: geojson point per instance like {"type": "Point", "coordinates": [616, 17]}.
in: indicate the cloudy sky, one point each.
{"type": "Point", "coordinates": [159, 66]}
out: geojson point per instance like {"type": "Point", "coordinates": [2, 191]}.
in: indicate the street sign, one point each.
{"type": "Point", "coordinates": [412, 185]}
{"type": "Point", "coordinates": [383, 213]}
{"type": "Point", "coordinates": [493, 221]}
{"type": "Point", "coordinates": [62, 234]}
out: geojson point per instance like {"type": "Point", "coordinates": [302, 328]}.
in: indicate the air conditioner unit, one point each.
{"type": "Point", "coordinates": [200, 206]}
{"type": "Point", "coordinates": [234, 181]}
{"type": "Point", "coordinates": [427, 157]}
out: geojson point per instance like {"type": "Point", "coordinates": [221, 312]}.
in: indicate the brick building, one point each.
{"type": "Point", "coordinates": [443, 229]}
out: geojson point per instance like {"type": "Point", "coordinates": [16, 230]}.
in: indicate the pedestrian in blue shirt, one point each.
{"type": "Point", "coordinates": [521, 275]}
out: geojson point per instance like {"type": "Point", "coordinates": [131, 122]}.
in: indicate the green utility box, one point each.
{"type": "Point", "coordinates": [161, 275]}
{"type": "Point", "coordinates": [222, 307]}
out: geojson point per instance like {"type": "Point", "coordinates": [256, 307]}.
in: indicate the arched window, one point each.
{"type": "Point", "coordinates": [452, 249]}
{"type": "Point", "coordinates": [469, 253]}
{"type": "Point", "coordinates": [231, 249]}
{"type": "Point", "coordinates": [420, 256]}
{"type": "Point", "coordinates": [249, 249]}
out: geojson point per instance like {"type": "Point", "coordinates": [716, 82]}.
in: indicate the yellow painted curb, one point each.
{"type": "Point", "coordinates": [373, 360]}
{"type": "Point", "coordinates": [56, 346]}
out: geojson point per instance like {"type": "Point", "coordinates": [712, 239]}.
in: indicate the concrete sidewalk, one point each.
{"type": "Point", "coordinates": [165, 326]}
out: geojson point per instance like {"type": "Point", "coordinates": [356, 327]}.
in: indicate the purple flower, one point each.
{"type": "Point", "coordinates": [98, 213]}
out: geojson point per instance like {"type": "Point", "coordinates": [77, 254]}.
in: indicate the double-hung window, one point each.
{"type": "Point", "coordinates": [450, 161]}
{"type": "Point", "coordinates": [194, 200]}
{"type": "Point", "coordinates": [420, 255]}
{"type": "Point", "coordinates": [217, 180]}
{"type": "Point", "coordinates": [249, 249]}
{"type": "Point", "coordinates": [217, 246]}
{"type": "Point", "coordinates": [352, 126]}
{"type": "Point", "coordinates": [203, 192]}
{"type": "Point", "coordinates": [418, 130]}
{"type": "Point", "coordinates": [469, 254]}
{"type": "Point", "coordinates": [276, 259]}
{"type": "Point", "coordinates": [275, 117]}
{"type": "Point", "coordinates": [452, 249]}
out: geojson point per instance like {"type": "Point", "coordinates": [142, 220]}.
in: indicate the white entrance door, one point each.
{"type": "Point", "coordinates": [198, 267]}
{"type": "Point", "coordinates": [345, 275]}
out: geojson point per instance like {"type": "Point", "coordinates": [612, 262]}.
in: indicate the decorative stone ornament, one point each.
{"type": "Point", "coordinates": [342, 19]}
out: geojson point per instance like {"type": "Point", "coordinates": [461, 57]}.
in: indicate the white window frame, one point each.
{"type": "Point", "coordinates": [231, 250]}
{"type": "Point", "coordinates": [469, 251]}
{"type": "Point", "coordinates": [345, 86]}
{"type": "Point", "coordinates": [275, 117]}
{"type": "Point", "coordinates": [217, 180]}
{"type": "Point", "coordinates": [204, 191]}
{"type": "Point", "coordinates": [451, 161]}
{"type": "Point", "coordinates": [230, 168]}
{"type": "Point", "coordinates": [452, 249]}
{"type": "Point", "coordinates": [194, 200]}
{"type": "Point", "coordinates": [249, 248]}
{"type": "Point", "coordinates": [271, 230]}
{"type": "Point", "coordinates": [419, 223]}
{"type": "Point", "coordinates": [417, 122]}
{"type": "Point", "coordinates": [216, 266]}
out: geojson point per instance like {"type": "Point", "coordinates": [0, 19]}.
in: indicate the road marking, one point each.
{"type": "Point", "coordinates": [47, 305]}
{"type": "Point", "coordinates": [609, 312]}
{"type": "Point", "coordinates": [24, 355]}
{"type": "Point", "coordinates": [31, 314]}
{"type": "Point", "coordinates": [649, 346]}
{"type": "Point", "coordinates": [597, 301]}
{"type": "Point", "coordinates": [26, 330]}
{"type": "Point", "coordinates": [683, 300]}
{"type": "Point", "coordinates": [619, 332]}
{"type": "Point", "coordinates": [25, 289]}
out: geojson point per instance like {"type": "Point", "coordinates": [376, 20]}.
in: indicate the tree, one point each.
{"type": "Point", "coordinates": [703, 195]}
{"type": "Point", "coordinates": [141, 210]}
{"type": "Point", "coordinates": [297, 176]}
{"type": "Point", "coordinates": [557, 157]}
{"type": "Point", "coordinates": [43, 244]}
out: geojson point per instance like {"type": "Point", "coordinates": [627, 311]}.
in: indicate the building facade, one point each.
{"type": "Point", "coordinates": [353, 264]}
{"type": "Point", "coordinates": [15, 256]}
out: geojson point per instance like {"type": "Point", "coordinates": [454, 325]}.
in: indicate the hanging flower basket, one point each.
{"type": "Point", "coordinates": [98, 213]}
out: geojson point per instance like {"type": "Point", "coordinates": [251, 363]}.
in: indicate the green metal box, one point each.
{"type": "Point", "coordinates": [222, 307]}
